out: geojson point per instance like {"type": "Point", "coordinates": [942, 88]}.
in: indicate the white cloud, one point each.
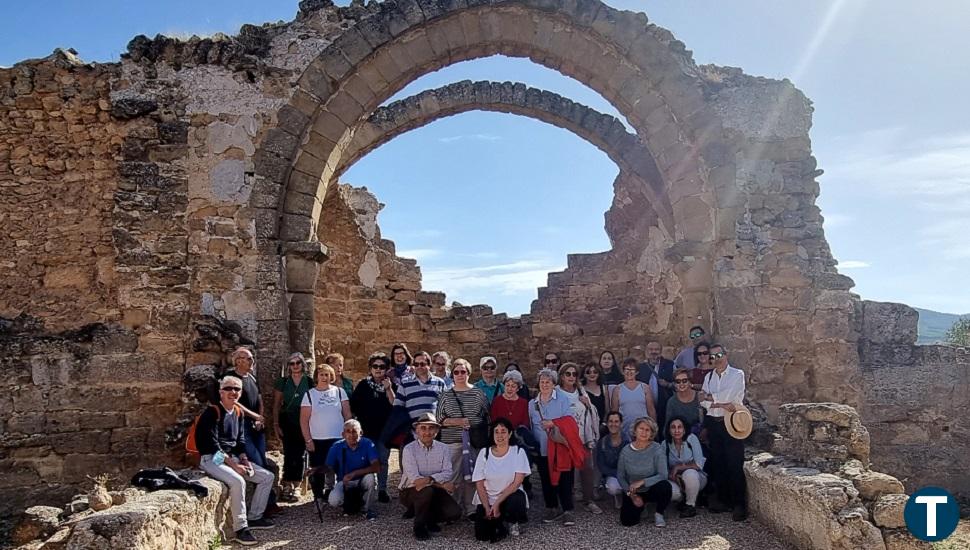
{"type": "Point", "coordinates": [477, 137]}
{"type": "Point", "coordinates": [837, 220]}
{"type": "Point", "coordinates": [419, 253]}
{"type": "Point", "coordinates": [500, 279]}
{"type": "Point", "coordinates": [853, 264]}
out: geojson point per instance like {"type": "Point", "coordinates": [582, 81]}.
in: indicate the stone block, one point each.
{"type": "Point", "coordinates": [889, 323]}
{"type": "Point", "coordinates": [38, 522]}
{"type": "Point", "coordinates": [887, 511]}
{"type": "Point", "coordinates": [900, 539]}
{"type": "Point", "coordinates": [872, 485]}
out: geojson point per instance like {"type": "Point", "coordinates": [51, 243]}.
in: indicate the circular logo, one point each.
{"type": "Point", "coordinates": [931, 514]}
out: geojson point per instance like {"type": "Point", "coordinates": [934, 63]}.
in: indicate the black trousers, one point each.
{"type": "Point", "coordinates": [430, 505]}
{"type": "Point", "coordinates": [556, 495]}
{"type": "Point", "coordinates": [658, 493]}
{"type": "Point", "coordinates": [322, 476]}
{"type": "Point", "coordinates": [512, 510]}
{"type": "Point", "coordinates": [726, 463]}
{"type": "Point", "coordinates": [294, 451]}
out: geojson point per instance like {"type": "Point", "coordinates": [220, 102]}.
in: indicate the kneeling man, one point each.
{"type": "Point", "coordinates": [425, 474]}
{"type": "Point", "coordinates": [354, 460]}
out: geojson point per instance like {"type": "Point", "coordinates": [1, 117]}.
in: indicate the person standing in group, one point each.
{"type": "Point", "coordinates": [354, 460]}
{"type": "Point", "coordinates": [371, 403]}
{"type": "Point", "coordinates": [523, 387]}
{"type": "Point", "coordinates": [663, 370]}
{"type": "Point", "coordinates": [685, 403]}
{"type": "Point", "coordinates": [336, 361]}
{"type": "Point", "coordinates": [323, 412]}
{"type": "Point", "coordinates": [588, 421]}
{"type": "Point", "coordinates": [550, 404]}
{"type": "Point", "coordinates": [608, 455]}
{"type": "Point", "coordinates": [489, 383]}
{"type": "Point", "coordinates": [288, 393]}
{"type": "Point", "coordinates": [551, 361]}
{"type": "Point", "coordinates": [685, 359]}
{"type": "Point", "coordinates": [419, 391]}
{"type": "Point", "coordinates": [595, 390]}
{"type": "Point", "coordinates": [510, 405]}
{"type": "Point", "coordinates": [244, 366]}
{"type": "Point", "coordinates": [220, 439]}
{"type": "Point", "coordinates": [462, 409]}
{"type": "Point", "coordinates": [499, 498]}
{"type": "Point", "coordinates": [612, 375]}
{"type": "Point", "coordinates": [441, 367]}
{"type": "Point", "coordinates": [401, 360]}
{"type": "Point", "coordinates": [642, 473]}
{"type": "Point", "coordinates": [702, 362]}
{"type": "Point", "coordinates": [685, 465]}
{"type": "Point", "coordinates": [426, 485]}
{"type": "Point", "coordinates": [632, 398]}
{"type": "Point", "coordinates": [724, 389]}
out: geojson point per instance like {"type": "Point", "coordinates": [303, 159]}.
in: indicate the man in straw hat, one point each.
{"type": "Point", "coordinates": [723, 397]}
{"type": "Point", "coordinates": [425, 479]}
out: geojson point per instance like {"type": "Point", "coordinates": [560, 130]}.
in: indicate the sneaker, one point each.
{"type": "Point", "coordinates": [383, 497]}
{"type": "Point", "coordinates": [688, 512]}
{"type": "Point", "coordinates": [592, 508]}
{"type": "Point", "coordinates": [551, 515]}
{"type": "Point", "coordinates": [371, 515]}
{"type": "Point", "coordinates": [261, 524]}
{"type": "Point", "coordinates": [739, 514]}
{"type": "Point", "coordinates": [244, 537]}
{"type": "Point", "coordinates": [659, 521]}
{"type": "Point", "coordinates": [421, 533]}
{"type": "Point", "coordinates": [568, 519]}
{"type": "Point", "coordinates": [514, 530]}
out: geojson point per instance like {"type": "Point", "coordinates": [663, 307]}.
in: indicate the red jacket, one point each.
{"type": "Point", "coordinates": [566, 457]}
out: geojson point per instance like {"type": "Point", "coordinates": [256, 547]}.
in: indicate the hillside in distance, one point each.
{"type": "Point", "coordinates": [933, 325]}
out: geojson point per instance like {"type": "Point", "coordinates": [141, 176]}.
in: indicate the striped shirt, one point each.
{"type": "Point", "coordinates": [473, 403]}
{"type": "Point", "coordinates": [419, 397]}
{"type": "Point", "coordinates": [419, 461]}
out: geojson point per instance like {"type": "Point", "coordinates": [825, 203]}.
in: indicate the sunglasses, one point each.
{"type": "Point", "coordinates": [569, 373]}
{"type": "Point", "coordinates": [437, 364]}
{"type": "Point", "coordinates": [488, 367]}
{"type": "Point", "coordinates": [552, 361]}
{"type": "Point", "coordinates": [380, 366]}
{"type": "Point", "coordinates": [681, 381]}
{"type": "Point", "coordinates": [420, 364]}
{"type": "Point", "coordinates": [717, 355]}
{"type": "Point", "coordinates": [454, 372]}
{"type": "Point", "coordinates": [695, 335]}
{"type": "Point", "coordinates": [291, 363]}
{"type": "Point", "coordinates": [232, 389]}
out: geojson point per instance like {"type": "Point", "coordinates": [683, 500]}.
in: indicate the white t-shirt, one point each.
{"type": "Point", "coordinates": [326, 412]}
{"type": "Point", "coordinates": [499, 472]}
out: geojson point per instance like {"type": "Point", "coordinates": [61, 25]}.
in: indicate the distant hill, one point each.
{"type": "Point", "coordinates": [933, 325]}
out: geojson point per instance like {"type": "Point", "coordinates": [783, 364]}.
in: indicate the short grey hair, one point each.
{"type": "Point", "coordinates": [513, 376]}
{"type": "Point", "coordinates": [548, 373]}
{"type": "Point", "coordinates": [353, 424]}
{"type": "Point", "coordinates": [230, 378]}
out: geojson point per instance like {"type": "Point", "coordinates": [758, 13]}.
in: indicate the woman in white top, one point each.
{"type": "Point", "coordinates": [633, 399]}
{"type": "Point", "coordinates": [588, 421]}
{"type": "Point", "coordinates": [324, 409]}
{"type": "Point", "coordinates": [685, 465]}
{"type": "Point", "coordinates": [498, 476]}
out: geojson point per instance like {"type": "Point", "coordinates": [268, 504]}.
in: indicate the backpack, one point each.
{"type": "Point", "coordinates": [190, 447]}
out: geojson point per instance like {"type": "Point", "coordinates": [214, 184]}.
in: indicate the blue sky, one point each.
{"type": "Point", "coordinates": [489, 203]}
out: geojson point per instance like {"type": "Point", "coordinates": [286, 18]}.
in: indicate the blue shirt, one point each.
{"type": "Point", "coordinates": [557, 407]}
{"type": "Point", "coordinates": [343, 460]}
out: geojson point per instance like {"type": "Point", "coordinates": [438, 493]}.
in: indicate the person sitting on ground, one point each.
{"type": "Point", "coordinates": [608, 455]}
{"type": "Point", "coordinates": [425, 480]}
{"type": "Point", "coordinates": [642, 473]}
{"type": "Point", "coordinates": [355, 461]}
{"type": "Point", "coordinates": [441, 367]}
{"type": "Point", "coordinates": [221, 441]}
{"type": "Point", "coordinates": [523, 387]}
{"type": "Point", "coordinates": [287, 395]}
{"type": "Point", "coordinates": [685, 465]}
{"type": "Point", "coordinates": [588, 421]}
{"type": "Point", "coordinates": [632, 398]}
{"type": "Point", "coordinates": [371, 403]}
{"type": "Point", "coordinates": [489, 383]}
{"type": "Point", "coordinates": [685, 403]}
{"type": "Point", "coordinates": [323, 412]}
{"type": "Point", "coordinates": [499, 498]}
{"type": "Point", "coordinates": [336, 361]}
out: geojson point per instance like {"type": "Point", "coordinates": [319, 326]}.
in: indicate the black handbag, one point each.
{"type": "Point", "coordinates": [478, 434]}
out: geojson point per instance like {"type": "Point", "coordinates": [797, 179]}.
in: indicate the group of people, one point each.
{"type": "Point", "coordinates": [657, 431]}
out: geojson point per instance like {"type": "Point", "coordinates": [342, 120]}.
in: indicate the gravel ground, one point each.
{"type": "Point", "coordinates": [299, 528]}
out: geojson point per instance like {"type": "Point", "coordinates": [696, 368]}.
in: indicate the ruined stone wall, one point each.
{"type": "Point", "coordinates": [916, 398]}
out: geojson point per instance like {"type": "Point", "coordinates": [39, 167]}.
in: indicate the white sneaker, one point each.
{"type": "Point", "coordinates": [658, 520]}
{"type": "Point", "coordinates": [514, 529]}
{"type": "Point", "coordinates": [592, 508]}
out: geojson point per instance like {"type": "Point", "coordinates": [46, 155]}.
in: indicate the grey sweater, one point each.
{"type": "Point", "coordinates": [648, 464]}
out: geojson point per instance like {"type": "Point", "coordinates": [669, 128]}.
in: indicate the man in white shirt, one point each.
{"type": "Point", "coordinates": [723, 391]}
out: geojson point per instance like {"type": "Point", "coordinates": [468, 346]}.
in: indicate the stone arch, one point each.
{"type": "Point", "coordinates": [638, 67]}
{"type": "Point", "coordinates": [601, 130]}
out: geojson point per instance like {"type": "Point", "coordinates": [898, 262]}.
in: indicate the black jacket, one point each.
{"type": "Point", "coordinates": [219, 430]}
{"type": "Point", "coordinates": [371, 408]}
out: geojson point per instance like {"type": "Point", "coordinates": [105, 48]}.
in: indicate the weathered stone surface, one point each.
{"type": "Point", "coordinates": [37, 522]}
{"type": "Point", "coordinates": [888, 511]}
{"type": "Point", "coordinates": [873, 485]}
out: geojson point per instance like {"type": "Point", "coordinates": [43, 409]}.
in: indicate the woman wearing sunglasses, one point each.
{"type": "Point", "coordinates": [685, 403]}
{"type": "Point", "coordinates": [288, 393]}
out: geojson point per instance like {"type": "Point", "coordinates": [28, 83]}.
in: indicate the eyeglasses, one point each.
{"type": "Point", "coordinates": [589, 372]}
{"type": "Point", "coordinates": [695, 335]}
{"type": "Point", "coordinates": [380, 366]}
{"type": "Point", "coordinates": [291, 363]}
{"type": "Point", "coordinates": [629, 369]}
{"type": "Point", "coordinates": [420, 364]}
{"type": "Point", "coordinates": [232, 389]}
{"type": "Point", "coordinates": [717, 355]}
{"type": "Point", "coordinates": [488, 367]}
{"type": "Point", "coordinates": [681, 381]}
{"type": "Point", "coordinates": [456, 372]}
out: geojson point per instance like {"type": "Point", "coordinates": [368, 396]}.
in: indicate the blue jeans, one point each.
{"type": "Point", "coordinates": [384, 455]}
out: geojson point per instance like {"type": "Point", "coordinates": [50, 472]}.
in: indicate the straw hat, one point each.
{"type": "Point", "coordinates": [426, 418]}
{"type": "Point", "coordinates": [739, 423]}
